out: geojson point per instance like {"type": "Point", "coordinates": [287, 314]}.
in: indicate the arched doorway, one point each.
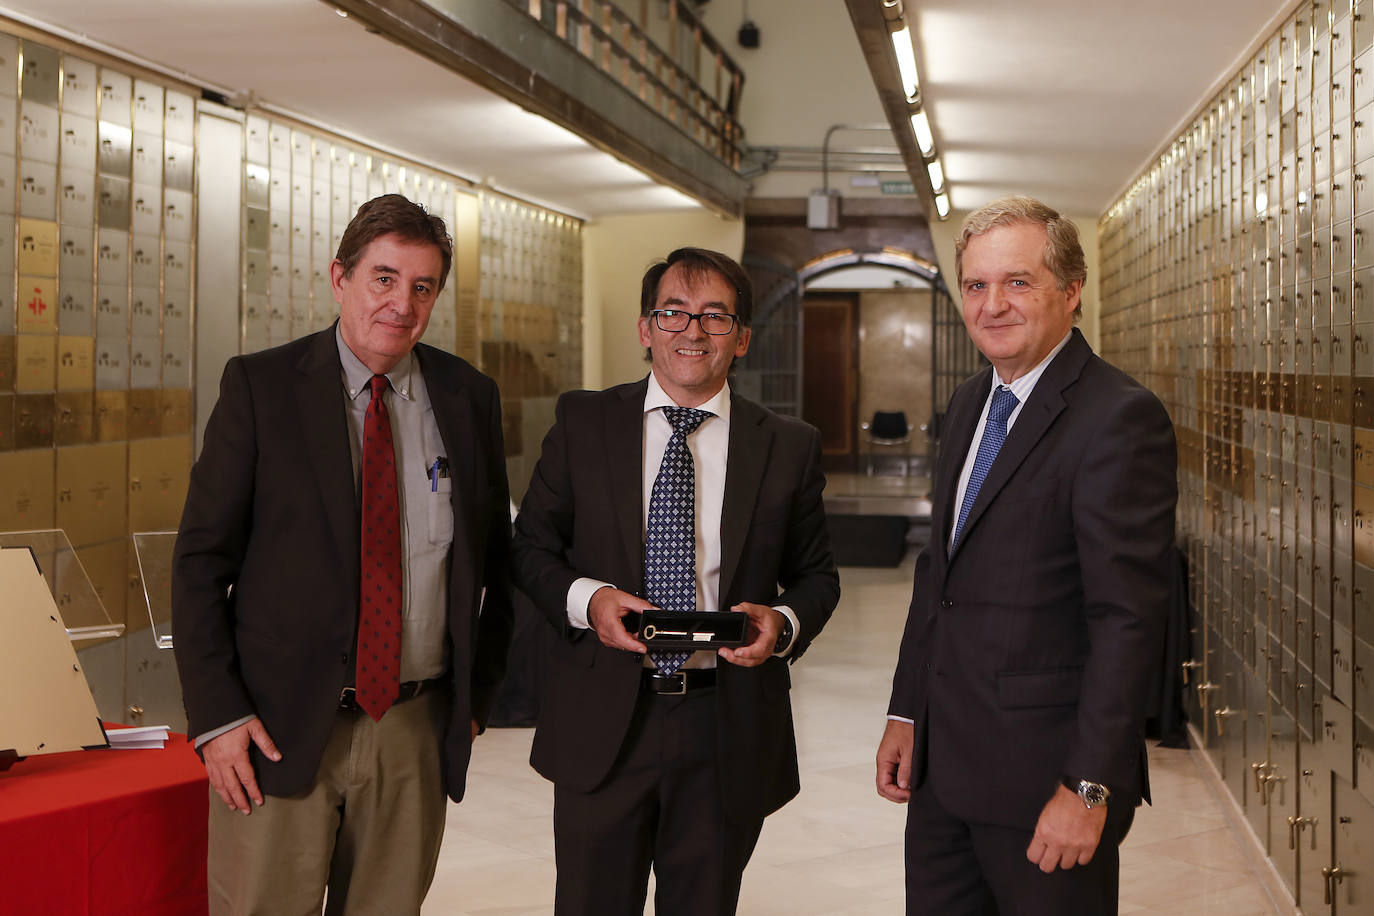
{"type": "Point", "coordinates": [868, 320]}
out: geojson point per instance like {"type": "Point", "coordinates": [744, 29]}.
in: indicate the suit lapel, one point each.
{"type": "Point", "coordinates": [320, 405]}
{"type": "Point", "coordinates": [625, 461]}
{"type": "Point", "coordinates": [1045, 403]}
{"type": "Point", "coordinates": [744, 466]}
{"type": "Point", "coordinates": [960, 424]}
{"type": "Point", "coordinates": [453, 415]}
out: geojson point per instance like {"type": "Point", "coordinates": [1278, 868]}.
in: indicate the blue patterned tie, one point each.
{"type": "Point", "coordinates": [994, 434]}
{"type": "Point", "coordinates": [670, 543]}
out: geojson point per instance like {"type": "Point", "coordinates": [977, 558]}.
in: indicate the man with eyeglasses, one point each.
{"type": "Point", "coordinates": [672, 492]}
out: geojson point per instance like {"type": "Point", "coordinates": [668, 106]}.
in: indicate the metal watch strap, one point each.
{"type": "Point", "coordinates": [1092, 794]}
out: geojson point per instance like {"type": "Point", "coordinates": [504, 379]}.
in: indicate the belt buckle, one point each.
{"type": "Point", "coordinates": [681, 680]}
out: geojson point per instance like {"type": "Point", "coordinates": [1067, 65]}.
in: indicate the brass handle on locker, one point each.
{"type": "Point", "coordinates": [136, 712]}
{"type": "Point", "coordinates": [1221, 716]}
{"type": "Point", "coordinates": [1258, 770]}
{"type": "Point", "coordinates": [1331, 876]}
{"type": "Point", "coordinates": [1297, 824]}
{"type": "Point", "coordinates": [1190, 663]}
{"type": "Point", "coordinates": [1269, 780]}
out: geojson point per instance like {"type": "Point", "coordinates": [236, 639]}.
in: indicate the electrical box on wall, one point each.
{"type": "Point", "coordinates": [823, 210]}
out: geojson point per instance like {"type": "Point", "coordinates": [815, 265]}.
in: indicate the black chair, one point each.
{"type": "Point", "coordinates": [888, 429]}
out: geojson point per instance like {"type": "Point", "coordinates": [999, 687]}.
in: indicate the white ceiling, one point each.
{"type": "Point", "coordinates": [301, 57]}
{"type": "Point", "coordinates": [1063, 99]}
{"type": "Point", "coordinates": [1067, 100]}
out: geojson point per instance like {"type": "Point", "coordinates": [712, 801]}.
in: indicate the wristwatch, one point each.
{"type": "Point", "coordinates": [785, 637]}
{"type": "Point", "coordinates": [1093, 794]}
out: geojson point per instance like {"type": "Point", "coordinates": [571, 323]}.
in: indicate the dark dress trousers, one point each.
{"type": "Point", "coordinates": [1029, 651]}
{"type": "Point", "coordinates": [583, 516]}
{"type": "Point", "coordinates": [265, 581]}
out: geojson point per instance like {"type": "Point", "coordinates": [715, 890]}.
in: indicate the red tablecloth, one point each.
{"type": "Point", "coordinates": [104, 832]}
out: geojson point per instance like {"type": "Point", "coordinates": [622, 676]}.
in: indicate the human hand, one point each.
{"type": "Point", "coordinates": [606, 612]}
{"type": "Point", "coordinates": [227, 766]}
{"type": "Point", "coordinates": [765, 624]}
{"type": "Point", "coordinates": [894, 761]}
{"type": "Point", "coordinates": [1067, 832]}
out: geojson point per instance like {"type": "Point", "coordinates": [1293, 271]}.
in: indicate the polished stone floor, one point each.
{"type": "Point", "coordinates": [837, 848]}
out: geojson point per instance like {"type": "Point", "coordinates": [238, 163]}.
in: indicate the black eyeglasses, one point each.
{"type": "Point", "coordinates": [716, 324]}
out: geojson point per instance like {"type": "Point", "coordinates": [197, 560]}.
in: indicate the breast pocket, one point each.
{"type": "Point", "coordinates": [439, 498]}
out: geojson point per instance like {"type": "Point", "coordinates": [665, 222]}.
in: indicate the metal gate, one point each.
{"type": "Point", "coordinates": [953, 357]}
{"type": "Point", "coordinates": [771, 372]}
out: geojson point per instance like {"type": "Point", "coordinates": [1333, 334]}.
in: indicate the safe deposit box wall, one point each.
{"type": "Point", "coordinates": [96, 262]}
{"type": "Point", "coordinates": [98, 259]}
{"type": "Point", "coordinates": [1238, 283]}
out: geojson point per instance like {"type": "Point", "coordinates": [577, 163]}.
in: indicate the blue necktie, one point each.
{"type": "Point", "coordinates": [994, 434]}
{"type": "Point", "coordinates": [670, 543]}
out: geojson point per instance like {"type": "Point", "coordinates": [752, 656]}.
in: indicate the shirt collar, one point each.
{"type": "Point", "coordinates": [1024, 385]}
{"type": "Point", "coordinates": [656, 398]}
{"type": "Point", "coordinates": [356, 376]}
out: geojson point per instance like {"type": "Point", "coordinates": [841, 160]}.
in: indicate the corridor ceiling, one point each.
{"type": "Point", "coordinates": [1069, 100]}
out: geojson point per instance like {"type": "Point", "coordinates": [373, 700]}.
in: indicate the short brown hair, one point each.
{"type": "Point", "coordinates": [393, 214]}
{"type": "Point", "coordinates": [696, 263]}
{"type": "Point", "coordinates": [1063, 252]}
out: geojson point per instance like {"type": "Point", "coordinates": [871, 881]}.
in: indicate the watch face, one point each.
{"type": "Point", "coordinates": [1093, 795]}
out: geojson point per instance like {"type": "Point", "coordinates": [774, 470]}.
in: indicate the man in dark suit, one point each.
{"type": "Point", "coordinates": [672, 492]}
{"type": "Point", "coordinates": [341, 601]}
{"type": "Point", "coordinates": [1015, 727]}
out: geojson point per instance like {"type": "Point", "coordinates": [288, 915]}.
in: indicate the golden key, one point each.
{"type": "Point", "coordinates": [650, 631]}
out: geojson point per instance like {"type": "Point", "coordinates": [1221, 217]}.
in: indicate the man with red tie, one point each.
{"type": "Point", "coordinates": [341, 607]}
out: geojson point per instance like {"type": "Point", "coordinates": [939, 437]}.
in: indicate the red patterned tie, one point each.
{"type": "Point", "coordinates": [379, 610]}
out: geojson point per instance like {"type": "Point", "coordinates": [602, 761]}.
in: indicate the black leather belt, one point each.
{"type": "Point", "coordinates": [348, 699]}
{"type": "Point", "coordinates": [677, 684]}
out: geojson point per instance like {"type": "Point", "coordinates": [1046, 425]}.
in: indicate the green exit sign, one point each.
{"type": "Point", "coordinates": [898, 187]}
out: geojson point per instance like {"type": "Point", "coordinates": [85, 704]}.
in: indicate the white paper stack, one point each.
{"type": "Point", "coordinates": [135, 739]}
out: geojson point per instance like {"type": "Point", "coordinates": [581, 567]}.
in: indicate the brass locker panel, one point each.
{"type": "Point", "coordinates": [1238, 283]}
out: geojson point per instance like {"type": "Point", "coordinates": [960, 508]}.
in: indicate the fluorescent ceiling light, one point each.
{"type": "Point", "coordinates": [937, 175]}
{"type": "Point", "coordinates": [920, 126]}
{"type": "Point", "coordinates": [906, 60]}
{"type": "Point", "coordinates": [942, 205]}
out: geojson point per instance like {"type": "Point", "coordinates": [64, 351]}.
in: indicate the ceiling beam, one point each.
{"type": "Point", "coordinates": [503, 50]}
{"type": "Point", "coordinates": [876, 42]}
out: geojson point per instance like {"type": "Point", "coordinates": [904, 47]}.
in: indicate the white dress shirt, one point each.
{"type": "Point", "coordinates": [709, 446]}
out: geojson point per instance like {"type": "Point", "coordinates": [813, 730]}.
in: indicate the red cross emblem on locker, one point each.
{"type": "Point", "coordinates": [36, 304]}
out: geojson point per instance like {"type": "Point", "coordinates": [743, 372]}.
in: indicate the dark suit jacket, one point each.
{"type": "Point", "coordinates": [272, 513]}
{"type": "Point", "coordinates": [583, 516]}
{"type": "Point", "coordinates": [1028, 653]}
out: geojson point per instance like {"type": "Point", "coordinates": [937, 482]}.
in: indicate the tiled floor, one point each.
{"type": "Point", "coordinates": [836, 849]}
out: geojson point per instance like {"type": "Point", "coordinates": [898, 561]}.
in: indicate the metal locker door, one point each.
{"type": "Point", "coordinates": [1310, 831]}
{"type": "Point", "coordinates": [1231, 724]}
{"type": "Point", "coordinates": [1280, 795]}
{"type": "Point", "coordinates": [1349, 884]}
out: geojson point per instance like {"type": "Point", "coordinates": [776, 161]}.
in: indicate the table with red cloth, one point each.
{"type": "Point", "coordinates": [104, 831]}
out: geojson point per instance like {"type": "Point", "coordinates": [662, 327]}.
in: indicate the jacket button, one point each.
{"type": "Point", "coordinates": [946, 602]}
{"type": "Point", "coordinates": [344, 658]}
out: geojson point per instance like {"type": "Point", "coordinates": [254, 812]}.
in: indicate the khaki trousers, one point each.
{"type": "Point", "coordinates": [368, 830]}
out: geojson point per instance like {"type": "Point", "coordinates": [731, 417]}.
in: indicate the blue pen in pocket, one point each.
{"type": "Point", "coordinates": [436, 470]}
